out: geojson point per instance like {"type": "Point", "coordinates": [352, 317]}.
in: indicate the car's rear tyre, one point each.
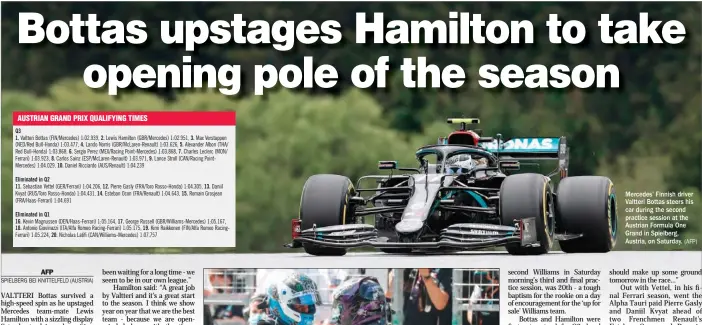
{"type": "Point", "coordinates": [587, 205]}
{"type": "Point", "coordinates": [325, 202]}
{"type": "Point", "coordinates": [528, 196]}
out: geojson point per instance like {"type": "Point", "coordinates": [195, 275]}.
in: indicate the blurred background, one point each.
{"type": "Point", "coordinates": [474, 296]}
{"type": "Point", "coordinates": [646, 136]}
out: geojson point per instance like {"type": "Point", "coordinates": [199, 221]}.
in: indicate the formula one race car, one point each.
{"type": "Point", "coordinates": [467, 193]}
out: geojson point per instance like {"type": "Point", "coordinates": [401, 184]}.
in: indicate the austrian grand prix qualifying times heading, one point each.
{"type": "Point", "coordinates": [124, 179]}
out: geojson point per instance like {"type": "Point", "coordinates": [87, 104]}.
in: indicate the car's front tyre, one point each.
{"type": "Point", "coordinates": [528, 196]}
{"type": "Point", "coordinates": [325, 202]}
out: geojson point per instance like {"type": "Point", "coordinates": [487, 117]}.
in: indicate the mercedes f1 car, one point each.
{"type": "Point", "coordinates": [468, 192]}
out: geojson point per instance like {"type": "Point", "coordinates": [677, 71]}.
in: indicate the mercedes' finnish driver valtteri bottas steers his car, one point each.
{"type": "Point", "coordinates": [291, 301]}
{"type": "Point", "coordinates": [360, 301]}
{"type": "Point", "coordinates": [467, 192]}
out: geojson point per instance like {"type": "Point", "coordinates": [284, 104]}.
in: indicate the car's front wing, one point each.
{"type": "Point", "coordinates": [458, 236]}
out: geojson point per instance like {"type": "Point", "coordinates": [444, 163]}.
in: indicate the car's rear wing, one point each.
{"type": "Point", "coordinates": [532, 149]}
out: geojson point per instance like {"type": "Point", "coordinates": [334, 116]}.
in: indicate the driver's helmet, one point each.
{"type": "Point", "coordinates": [360, 301]}
{"type": "Point", "coordinates": [459, 164]}
{"type": "Point", "coordinates": [294, 300]}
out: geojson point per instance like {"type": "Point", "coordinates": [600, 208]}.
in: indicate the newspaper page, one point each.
{"type": "Point", "coordinates": [357, 163]}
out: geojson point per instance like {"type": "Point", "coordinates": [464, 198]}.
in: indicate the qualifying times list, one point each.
{"type": "Point", "coordinates": [124, 179]}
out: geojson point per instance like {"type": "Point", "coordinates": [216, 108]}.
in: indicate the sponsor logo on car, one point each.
{"type": "Point", "coordinates": [525, 144]}
{"type": "Point", "coordinates": [483, 232]}
{"type": "Point", "coordinates": [488, 226]}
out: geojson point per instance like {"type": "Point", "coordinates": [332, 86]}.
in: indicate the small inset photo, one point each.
{"type": "Point", "coordinates": [434, 296]}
